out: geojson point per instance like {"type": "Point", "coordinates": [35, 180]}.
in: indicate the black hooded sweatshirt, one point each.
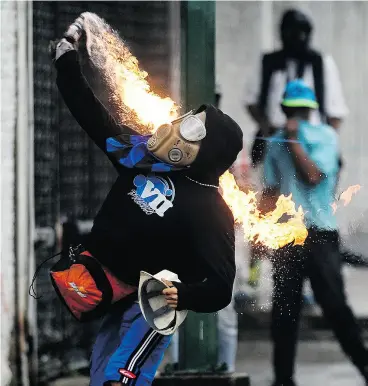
{"type": "Point", "coordinates": [190, 232]}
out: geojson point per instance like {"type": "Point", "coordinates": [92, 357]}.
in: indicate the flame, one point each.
{"type": "Point", "coordinates": [347, 195]}
{"type": "Point", "coordinates": [152, 111]}
{"type": "Point", "coordinates": [144, 111]}
{"type": "Point", "coordinates": [134, 90]}
{"type": "Point", "coordinates": [129, 95]}
{"type": "Point", "coordinates": [268, 229]}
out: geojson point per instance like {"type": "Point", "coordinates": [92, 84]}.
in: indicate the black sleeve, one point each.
{"type": "Point", "coordinates": [89, 112]}
{"type": "Point", "coordinates": [215, 243]}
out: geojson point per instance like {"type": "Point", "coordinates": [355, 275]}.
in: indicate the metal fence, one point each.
{"type": "Point", "coordinates": [72, 176]}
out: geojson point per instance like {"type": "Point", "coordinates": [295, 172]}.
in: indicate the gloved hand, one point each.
{"type": "Point", "coordinates": [59, 48]}
{"type": "Point", "coordinates": [75, 30]}
{"type": "Point", "coordinates": [69, 41]}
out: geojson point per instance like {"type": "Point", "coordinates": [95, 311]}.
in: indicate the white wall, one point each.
{"type": "Point", "coordinates": [7, 180]}
{"type": "Point", "coordinates": [245, 28]}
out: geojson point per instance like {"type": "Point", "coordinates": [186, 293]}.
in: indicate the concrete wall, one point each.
{"type": "Point", "coordinates": [245, 28]}
{"type": "Point", "coordinates": [7, 180]}
{"type": "Point", "coordinates": [17, 208]}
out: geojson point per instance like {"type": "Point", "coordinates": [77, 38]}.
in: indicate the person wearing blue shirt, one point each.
{"type": "Point", "coordinates": [302, 159]}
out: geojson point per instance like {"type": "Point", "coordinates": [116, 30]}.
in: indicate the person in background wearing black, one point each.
{"type": "Point", "coordinates": [296, 60]}
{"type": "Point", "coordinates": [302, 159]}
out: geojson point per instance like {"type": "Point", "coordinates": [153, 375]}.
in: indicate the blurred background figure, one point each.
{"type": "Point", "coordinates": [302, 159]}
{"type": "Point", "coordinates": [266, 85]}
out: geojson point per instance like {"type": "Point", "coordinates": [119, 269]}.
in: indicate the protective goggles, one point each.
{"type": "Point", "coordinates": [191, 128]}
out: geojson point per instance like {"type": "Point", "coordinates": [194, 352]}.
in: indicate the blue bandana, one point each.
{"type": "Point", "coordinates": [131, 151]}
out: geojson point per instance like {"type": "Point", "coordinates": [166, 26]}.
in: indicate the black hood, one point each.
{"type": "Point", "coordinates": [295, 29]}
{"type": "Point", "coordinates": [219, 149]}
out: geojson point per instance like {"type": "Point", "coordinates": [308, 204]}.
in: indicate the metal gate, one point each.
{"type": "Point", "coordinates": [72, 176]}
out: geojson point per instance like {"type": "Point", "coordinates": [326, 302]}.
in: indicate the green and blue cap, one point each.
{"type": "Point", "coordinates": [298, 94]}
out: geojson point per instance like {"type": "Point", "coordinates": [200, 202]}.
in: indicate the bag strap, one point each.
{"type": "Point", "coordinates": [319, 82]}
{"type": "Point", "coordinates": [270, 63]}
{"type": "Point", "coordinates": [73, 251]}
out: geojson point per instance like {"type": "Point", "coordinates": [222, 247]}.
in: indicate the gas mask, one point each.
{"type": "Point", "coordinates": [178, 143]}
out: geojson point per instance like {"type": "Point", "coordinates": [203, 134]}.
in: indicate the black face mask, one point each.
{"type": "Point", "coordinates": [295, 41]}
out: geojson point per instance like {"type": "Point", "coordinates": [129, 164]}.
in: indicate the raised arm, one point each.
{"type": "Point", "coordinates": [88, 111]}
{"type": "Point", "coordinates": [124, 146]}
{"type": "Point", "coordinates": [308, 170]}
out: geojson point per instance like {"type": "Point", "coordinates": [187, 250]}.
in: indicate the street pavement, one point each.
{"type": "Point", "coordinates": [318, 364]}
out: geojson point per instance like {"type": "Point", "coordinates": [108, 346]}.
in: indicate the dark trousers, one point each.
{"type": "Point", "coordinates": [320, 260]}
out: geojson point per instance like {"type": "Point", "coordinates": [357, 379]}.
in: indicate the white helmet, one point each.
{"type": "Point", "coordinates": [158, 314]}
